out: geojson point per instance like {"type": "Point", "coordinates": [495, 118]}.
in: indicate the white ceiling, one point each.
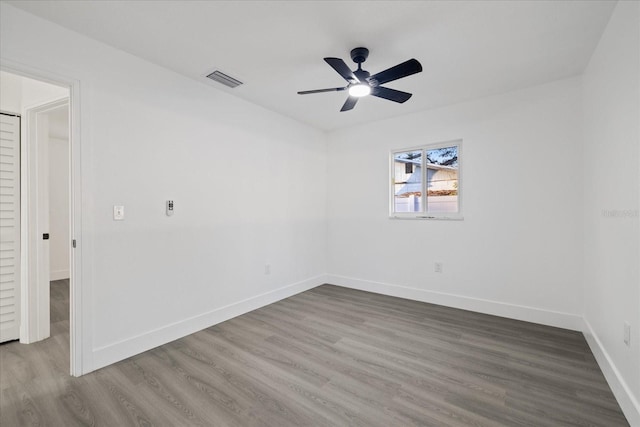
{"type": "Point", "coordinates": [468, 49]}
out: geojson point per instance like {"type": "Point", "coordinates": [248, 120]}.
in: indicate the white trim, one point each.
{"type": "Point", "coordinates": [115, 352]}
{"type": "Point", "coordinates": [496, 308]}
{"type": "Point", "coordinates": [80, 282]}
{"type": "Point", "coordinates": [623, 394]}
{"type": "Point", "coordinates": [427, 217]}
{"type": "Point", "coordinates": [430, 145]}
{"type": "Point", "coordinates": [46, 105]}
{"type": "Point", "coordinates": [59, 275]}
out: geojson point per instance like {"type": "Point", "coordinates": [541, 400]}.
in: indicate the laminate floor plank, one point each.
{"type": "Point", "coordinates": [253, 384]}
{"type": "Point", "coordinates": [330, 356]}
{"type": "Point", "coordinates": [329, 411]}
{"type": "Point", "coordinates": [261, 378]}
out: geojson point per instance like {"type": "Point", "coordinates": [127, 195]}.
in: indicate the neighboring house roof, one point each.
{"type": "Point", "coordinates": [413, 185]}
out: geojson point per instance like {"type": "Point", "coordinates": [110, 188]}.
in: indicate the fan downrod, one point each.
{"type": "Point", "coordinates": [359, 55]}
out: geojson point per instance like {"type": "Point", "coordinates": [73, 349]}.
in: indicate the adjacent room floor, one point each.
{"type": "Point", "coordinates": [326, 357]}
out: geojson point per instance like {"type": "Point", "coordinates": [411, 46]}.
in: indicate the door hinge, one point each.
{"type": "Point", "coordinates": [73, 242]}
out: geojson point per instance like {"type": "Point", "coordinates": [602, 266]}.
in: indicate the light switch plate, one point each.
{"type": "Point", "coordinates": [118, 213]}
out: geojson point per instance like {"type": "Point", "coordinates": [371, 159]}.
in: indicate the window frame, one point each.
{"type": "Point", "coordinates": [455, 216]}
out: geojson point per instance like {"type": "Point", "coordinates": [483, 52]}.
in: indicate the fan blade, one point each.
{"type": "Point", "coordinates": [390, 94]}
{"type": "Point", "coordinates": [342, 69]}
{"type": "Point", "coordinates": [333, 89]}
{"type": "Point", "coordinates": [405, 69]}
{"type": "Point", "coordinates": [349, 103]}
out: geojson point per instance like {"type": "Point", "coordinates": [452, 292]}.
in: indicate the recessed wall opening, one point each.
{"type": "Point", "coordinates": [36, 210]}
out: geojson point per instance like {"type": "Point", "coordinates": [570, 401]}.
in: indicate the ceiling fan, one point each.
{"type": "Point", "coordinates": [362, 83]}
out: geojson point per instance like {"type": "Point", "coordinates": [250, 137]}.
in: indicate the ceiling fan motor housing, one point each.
{"type": "Point", "coordinates": [359, 54]}
{"type": "Point", "coordinates": [362, 75]}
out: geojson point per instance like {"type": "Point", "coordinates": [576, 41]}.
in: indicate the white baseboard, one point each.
{"type": "Point", "coordinates": [59, 275]}
{"type": "Point", "coordinates": [496, 308]}
{"type": "Point", "coordinates": [628, 402]}
{"type": "Point", "coordinates": [115, 352]}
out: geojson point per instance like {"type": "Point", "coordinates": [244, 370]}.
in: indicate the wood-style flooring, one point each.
{"type": "Point", "coordinates": [326, 357]}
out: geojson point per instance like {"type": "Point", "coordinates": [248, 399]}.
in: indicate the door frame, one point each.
{"type": "Point", "coordinates": [80, 346]}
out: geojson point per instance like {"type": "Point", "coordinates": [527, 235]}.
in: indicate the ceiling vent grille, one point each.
{"type": "Point", "coordinates": [220, 77]}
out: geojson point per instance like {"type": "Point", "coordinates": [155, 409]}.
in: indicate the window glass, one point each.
{"type": "Point", "coordinates": [442, 180]}
{"type": "Point", "coordinates": [407, 182]}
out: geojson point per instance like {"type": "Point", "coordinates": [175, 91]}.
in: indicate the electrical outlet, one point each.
{"type": "Point", "coordinates": [267, 269]}
{"type": "Point", "coordinates": [627, 334]}
{"type": "Point", "coordinates": [437, 267]}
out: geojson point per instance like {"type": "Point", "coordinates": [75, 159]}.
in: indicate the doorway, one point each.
{"type": "Point", "coordinates": [47, 212]}
{"type": "Point", "coordinates": [45, 219]}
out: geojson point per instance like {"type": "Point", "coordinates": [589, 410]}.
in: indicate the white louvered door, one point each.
{"type": "Point", "coordinates": [9, 227]}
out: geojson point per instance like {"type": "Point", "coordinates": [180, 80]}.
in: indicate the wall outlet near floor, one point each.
{"type": "Point", "coordinates": [267, 269]}
{"type": "Point", "coordinates": [627, 334]}
{"type": "Point", "coordinates": [437, 267]}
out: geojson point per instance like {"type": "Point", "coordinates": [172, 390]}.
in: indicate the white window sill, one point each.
{"type": "Point", "coordinates": [428, 217]}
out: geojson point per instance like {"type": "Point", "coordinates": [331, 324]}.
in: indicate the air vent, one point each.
{"type": "Point", "coordinates": [221, 77]}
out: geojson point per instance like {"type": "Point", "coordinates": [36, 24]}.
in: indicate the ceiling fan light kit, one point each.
{"type": "Point", "coordinates": [361, 83]}
{"type": "Point", "coordinates": [359, 90]}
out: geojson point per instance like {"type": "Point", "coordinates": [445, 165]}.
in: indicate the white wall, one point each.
{"type": "Point", "coordinates": [59, 208]}
{"type": "Point", "coordinates": [59, 193]}
{"type": "Point", "coordinates": [20, 92]}
{"type": "Point", "coordinates": [148, 135]}
{"type": "Point", "coordinates": [611, 187]}
{"type": "Point", "coordinates": [10, 93]}
{"type": "Point", "coordinates": [517, 253]}
{"type": "Point", "coordinates": [58, 200]}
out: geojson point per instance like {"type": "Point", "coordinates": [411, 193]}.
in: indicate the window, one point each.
{"type": "Point", "coordinates": [425, 181]}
